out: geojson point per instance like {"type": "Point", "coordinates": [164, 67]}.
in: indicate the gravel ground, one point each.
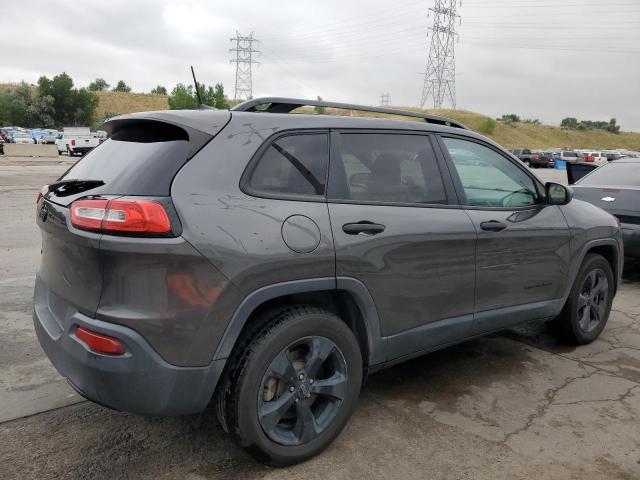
{"type": "Point", "coordinates": [514, 405]}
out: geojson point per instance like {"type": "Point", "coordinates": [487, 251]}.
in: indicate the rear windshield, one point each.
{"type": "Point", "coordinates": [614, 174]}
{"type": "Point", "coordinates": [134, 162]}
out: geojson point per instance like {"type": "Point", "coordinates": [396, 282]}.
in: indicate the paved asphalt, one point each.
{"type": "Point", "coordinates": [514, 405]}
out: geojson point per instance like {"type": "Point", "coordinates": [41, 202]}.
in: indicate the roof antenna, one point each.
{"type": "Point", "coordinates": [201, 105]}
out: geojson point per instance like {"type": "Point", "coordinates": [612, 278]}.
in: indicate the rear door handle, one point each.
{"type": "Point", "coordinates": [363, 228]}
{"type": "Point", "coordinates": [493, 226]}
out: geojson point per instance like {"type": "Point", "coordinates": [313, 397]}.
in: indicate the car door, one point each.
{"type": "Point", "coordinates": [396, 231]}
{"type": "Point", "coordinates": [523, 244]}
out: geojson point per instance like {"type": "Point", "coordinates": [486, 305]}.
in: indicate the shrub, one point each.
{"type": "Point", "coordinates": [487, 126]}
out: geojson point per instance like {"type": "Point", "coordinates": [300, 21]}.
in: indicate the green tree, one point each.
{"type": "Point", "coordinates": [13, 104]}
{"type": "Point", "coordinates": [71, 106]}
{"type": "Point", "coordinates": [99, 85]}
{"type": "Point", "coordinates": [220, 101]}
{"type": "Point", "coordinates": [159, 90]}
{"type": "Point", "coordinates": [40, 113]}
{"type": "Point", "coordinates": [510, 118]}
{"type": "Point", "coordinates": [182, 97]}
{"type": "Point", "coordinates": [613, 127]}
{"type": "Point", "coordinates": [569, 122]}
{"type": "Point", "coordinates": [121, 87]}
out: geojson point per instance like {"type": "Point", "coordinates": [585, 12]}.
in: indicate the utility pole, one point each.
{"type": "Point", "coordinates": [243, 50]}
{"type": "Point", "coordinates": [384, 99]}
{"type": "Point", "coordinates": [440, 76]}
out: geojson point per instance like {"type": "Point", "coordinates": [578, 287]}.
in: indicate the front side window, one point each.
{"type": "Point", "coordinates": [293, 165]}
{"type": "Point", "coordinates": [488, 178]}
{"type": "Point", "coordinates": [386, 168]}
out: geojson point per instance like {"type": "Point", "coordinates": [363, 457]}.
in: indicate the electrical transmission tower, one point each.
{"type": "Point", "coordinates": [440, 77]}
{"type": "Point", "coordinates": [384, 99]}
{"type": "Point", "coordinates": [243, 48]}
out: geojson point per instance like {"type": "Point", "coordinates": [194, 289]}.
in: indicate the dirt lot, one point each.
{"type": "Point", "coordinates": [514, 405]}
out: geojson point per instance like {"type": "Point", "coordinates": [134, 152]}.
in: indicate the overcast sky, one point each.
{"type": "Point", "coordinates": [542, 59]}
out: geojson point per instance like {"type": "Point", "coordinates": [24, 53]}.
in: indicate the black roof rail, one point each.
{"type": "Point", "coordinates": [286, 105]}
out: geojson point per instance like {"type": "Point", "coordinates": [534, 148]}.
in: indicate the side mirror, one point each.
{"type": "Point", "coordinates": [558, 194]}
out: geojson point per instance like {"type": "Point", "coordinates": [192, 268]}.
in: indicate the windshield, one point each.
{"type": "Point", "coordinates": [614, 174]}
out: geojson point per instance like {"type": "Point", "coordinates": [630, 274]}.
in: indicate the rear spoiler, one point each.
{"type": "Point", "coordinates": [198, 127]}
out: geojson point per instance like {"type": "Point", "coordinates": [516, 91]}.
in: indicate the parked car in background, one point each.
{"type": "Point", "coordinates": [545, 159]}
{"type": "Point", "coordinates": [530, 158]}
{"type": "Point", "coordinates": [48, 136]}
{"type": "Point", "coordinates": [189, 260]}
{"type": "Point", "coordinates": [593, 156]}
{"type": "Point", "coordinates": [615, 187]}
{"type": "Point", "coordinates": [76, 140]}
{"type": "Point", "coordinates": [611, 156]}
{"type": "Point", "coordinates": [568, 156]}
{"type": "Point", "coordinates": [21, 137]}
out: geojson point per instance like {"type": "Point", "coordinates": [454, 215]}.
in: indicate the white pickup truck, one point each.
{"type": "Point", "coordinates": [76, 140]}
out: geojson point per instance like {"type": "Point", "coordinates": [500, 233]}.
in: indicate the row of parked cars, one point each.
{"type": "Point", "coordinates": [548, 158]}
{"type": "Point", "coordinates": [71, 140]}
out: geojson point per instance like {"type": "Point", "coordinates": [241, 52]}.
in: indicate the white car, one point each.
{"type": "Point", "coordinates": [24, 138]}
{"type": "Point", "coordinates": [76, 140]}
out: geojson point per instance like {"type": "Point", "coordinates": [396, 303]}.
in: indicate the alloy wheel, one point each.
{"type": "Point", "coordinates": [302, 391]}
{"type": "Point", "coordinates": [592, 300]}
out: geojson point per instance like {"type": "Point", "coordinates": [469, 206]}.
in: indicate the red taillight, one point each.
{"type": "Point", "coordinates": [121, 215]}
{"type": "Point", "coordinates": [100, 343]}
{"type": "Point", "coordinates": [73, 142]}
{"type": "Point", "coordinates": [42, 192]}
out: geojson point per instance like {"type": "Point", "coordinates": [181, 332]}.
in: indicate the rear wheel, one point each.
{"type": "Point", "coordinates": [586, 312]}
{"type": "Point", "coordinates": [292, 387]}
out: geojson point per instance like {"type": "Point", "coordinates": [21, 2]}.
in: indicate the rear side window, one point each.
{"type": "Point", "coordinates": [292, 165]}
{"type": "Point", "coordinates": [386, 168]}
{"type": "Point", "coordinates": [139, 159]}
{"type": "Point", "coordinates": [614, 174]}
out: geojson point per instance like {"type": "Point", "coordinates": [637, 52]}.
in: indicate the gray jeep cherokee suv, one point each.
{"type": "Point", "coordinates": [268, 261]}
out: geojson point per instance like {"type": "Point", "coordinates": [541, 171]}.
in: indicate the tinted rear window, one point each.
{"type": "Point", "coordinates": [137, 160]}
{"type": "Point", "coordinates": [614, 174]}
{"type": "Point", "coordinates": [292, 165]}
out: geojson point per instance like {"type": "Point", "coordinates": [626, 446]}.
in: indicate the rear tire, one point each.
{"type": "Point", "coordinates": [291, 388]}
{"type": "Point", "coordinates": [587, 310]}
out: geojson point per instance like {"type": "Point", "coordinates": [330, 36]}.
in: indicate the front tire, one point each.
{"type": "Point", "coordinates": [587, 310]}
{"type": "Point", "coordinates": [292, 387]}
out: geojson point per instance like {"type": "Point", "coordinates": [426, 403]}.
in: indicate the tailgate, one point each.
{"type": "Point", "coordinates": [71, 262]}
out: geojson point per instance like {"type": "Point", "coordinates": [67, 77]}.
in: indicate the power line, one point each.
{"type": "Point", "coordinates": [384, 99]}
{"type": "Point", "coordinates": [244, 61]}
{"type": "Point", "coordinates": [440, 76]}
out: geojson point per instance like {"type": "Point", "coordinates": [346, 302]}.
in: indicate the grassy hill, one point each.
{"type": "Point", "coordinates": [519, 135]}
{"type": "Point", "coordinates": [121, 102]}
{"type": "Point", "coordinates": [525, 135]}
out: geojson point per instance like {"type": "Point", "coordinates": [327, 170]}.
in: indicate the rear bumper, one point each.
{"type": "Point", "coordinates": [139, 381]}
{"type": "Point", "coordinates": [631, 238]}
{"type": "Point", "coordinates": [81, 149]}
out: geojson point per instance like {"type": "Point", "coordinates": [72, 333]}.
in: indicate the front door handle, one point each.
{"type": "Point", "coordinates": [493, 226]}
{"type": "Point", "coordinates": [363, 228]}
